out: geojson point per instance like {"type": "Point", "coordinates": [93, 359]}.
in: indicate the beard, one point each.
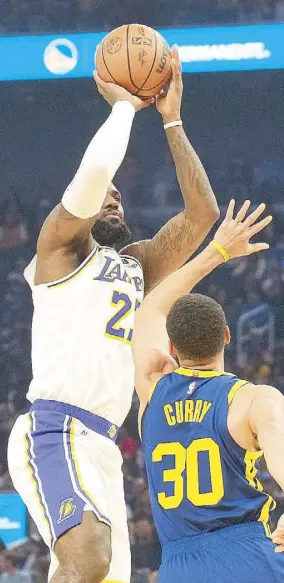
{"type": "Point", "coordinates": [111, 234]}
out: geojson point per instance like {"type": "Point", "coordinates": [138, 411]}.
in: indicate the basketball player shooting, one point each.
{"type": "Point", "coordinates": [62, 454]}
{"type": "Point", "coordinates": [204, 430]}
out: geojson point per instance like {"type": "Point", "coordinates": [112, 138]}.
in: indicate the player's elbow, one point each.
{"type": "Point", "coordinates": [211, 214]}
{"type": "Point", "coordinates": [207, 218]}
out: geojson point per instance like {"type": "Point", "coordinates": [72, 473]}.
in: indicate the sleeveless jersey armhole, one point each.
{"type": "Point", "coordinates": [234, 389]}
{"type": "Point", "coordinates": [151, 392]}
{"type": "Point", "coordinates": [230, 397]}
{"type": "Point", "coordinates": [77, 271]}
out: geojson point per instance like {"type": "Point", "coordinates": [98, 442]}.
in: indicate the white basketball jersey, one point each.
{"type": "Point", "coordinates": [81, 334]}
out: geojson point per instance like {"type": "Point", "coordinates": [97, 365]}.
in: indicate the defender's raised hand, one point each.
{"type": "Point", "coordinates": [234, 234]}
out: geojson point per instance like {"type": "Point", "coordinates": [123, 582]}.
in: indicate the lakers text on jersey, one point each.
{"type": "Point", "coordinates": [209, 508]}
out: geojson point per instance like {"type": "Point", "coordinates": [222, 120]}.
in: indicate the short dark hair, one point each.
{"type": "Point", "coordinates": [196, 326]}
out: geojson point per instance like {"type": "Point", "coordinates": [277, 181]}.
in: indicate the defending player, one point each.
{"type": "Point", "coordinates": [203, 429]}
{"type": "Point", "coordinates": [62, 455]}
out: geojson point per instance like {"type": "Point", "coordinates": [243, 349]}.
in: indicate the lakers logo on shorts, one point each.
{"type": "Point", "coordinates": [112, 431]}
{"type": "Point", "coordinates": [67, 509]}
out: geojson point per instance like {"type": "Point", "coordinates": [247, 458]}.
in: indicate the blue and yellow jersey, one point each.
{"type": "Point", "coordinates": [200, 479]}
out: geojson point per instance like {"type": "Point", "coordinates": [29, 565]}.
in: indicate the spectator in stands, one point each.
{"type": "Point", "coordinates": [58, 16]}
{"type": "Point", "coordinates": [145, 550]}
{"type": "Point", "coordinates": [268, 9]}
{"type": "Point", "coordinates": [249, 10]}
{"type": "Point", "coordinates": [227, 10]}
{"type": "Point", "coordinates": [9, 571]}
{"type": "Point", "coordinates": [37, 561]}
{"type": "Point", "coordinates": [5, 481]}
{"type": "Point", "coordinates": [13, 231]}
{"type": "Point", "coordinates": [139, 486]}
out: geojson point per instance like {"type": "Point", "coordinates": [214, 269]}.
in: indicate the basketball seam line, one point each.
{"type": "Point", "coordinates": [150, 88]}
{"type": "Point", "coordinates": [106, 65]}
{"type": "Point", "coordinates": [152, 66]}
{"type": "Point", "coordinates": [128, 60]}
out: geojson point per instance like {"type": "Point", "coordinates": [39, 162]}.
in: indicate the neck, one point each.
{"type": "Point", "coordinates": [216, 363]}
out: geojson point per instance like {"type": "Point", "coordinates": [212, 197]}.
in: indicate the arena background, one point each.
{"type": "Point", "coordinates": [234, 118]}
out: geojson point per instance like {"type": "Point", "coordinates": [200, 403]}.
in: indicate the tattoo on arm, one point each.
{"type": "Point", "coordinates": [170, 239]}
{"type": "Point", "coordinates": [180, 237]}
{"type": "Point", "coordinates": [190, 172]}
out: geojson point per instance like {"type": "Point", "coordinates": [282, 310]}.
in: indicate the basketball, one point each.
{"type": "Point", "coordinates": [136, 57]}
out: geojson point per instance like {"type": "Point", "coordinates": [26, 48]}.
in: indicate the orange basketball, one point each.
{"type": "Point", "coordinates": [136, 57]}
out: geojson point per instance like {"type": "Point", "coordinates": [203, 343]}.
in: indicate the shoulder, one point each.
{"type": "Point", "coordinates": [136, 250]}
{"type": "Point", "coordinates": [267, 401]}
{"type": "Point", "coordinates": [251, 393]}
{"type": "Point", "coordinates": [260, 401]}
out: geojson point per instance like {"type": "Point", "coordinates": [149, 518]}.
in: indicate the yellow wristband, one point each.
{"type": "Point", "coordinates": [221, 250]}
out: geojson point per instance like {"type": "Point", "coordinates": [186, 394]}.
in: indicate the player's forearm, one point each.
{"type": "Point", "coordinates": [199, 198]}
{"type": "Point", "coordinates": [271, 440]}
{"type": "Point", "coordinates": [182, 281]}
{"type": "Point", "coordinates": [104, 155]}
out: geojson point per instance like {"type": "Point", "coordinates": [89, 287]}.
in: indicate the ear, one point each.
{"type": "Point", "coordinates": [227, 336]}
{"type": "Point", "coordinates": [172, 349]}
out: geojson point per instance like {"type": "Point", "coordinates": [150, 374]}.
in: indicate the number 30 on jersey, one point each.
{"type": "Point", "coordinates": [186, 471]}
{"type": "Point", "coordinates": [124, 306]}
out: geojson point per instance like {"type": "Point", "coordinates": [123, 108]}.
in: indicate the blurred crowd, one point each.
{"type": "Point", "coordinates": [234, 123]}
{"type": "Point", "coordinates": [79, 15]}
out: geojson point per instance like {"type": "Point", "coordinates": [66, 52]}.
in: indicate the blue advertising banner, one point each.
{"type": "Point", "coordinates": [230, 48]}
{"type": "Point", "coordinates": [13, 518]}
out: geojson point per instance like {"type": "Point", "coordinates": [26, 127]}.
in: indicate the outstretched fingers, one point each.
{"type": "Point", "coordinates": [259, 226]}
{"type": "Point", "coordinates": [256, 247]}
{"type": "Point", "coordinates": [230, 210]}
{"type": "Point", "coordinates": [243, 211]}
{"type": "Point", "coordinates": [255, 215]}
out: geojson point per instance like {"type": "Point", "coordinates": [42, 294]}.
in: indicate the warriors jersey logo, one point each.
{"type": "Point", "coordinates": [67, 510]}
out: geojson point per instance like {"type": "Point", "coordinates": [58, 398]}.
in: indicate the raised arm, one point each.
{"type": "Point", "coordinates": [65, 239]}
{"type": "Point", "coordinates": [184, 233]}
{"type": "Point", "coordinates": [150, 340]}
